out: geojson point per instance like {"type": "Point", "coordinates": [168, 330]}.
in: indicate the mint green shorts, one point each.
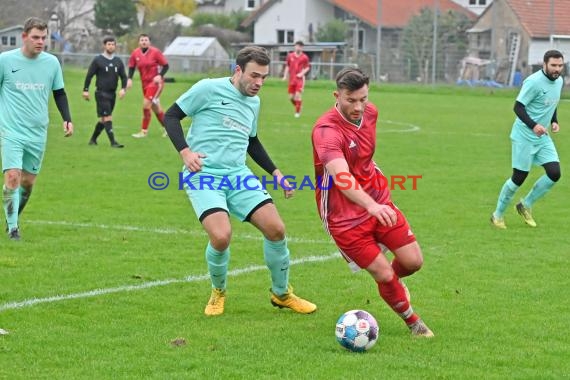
{"type": "Point", "coordinates": [239, 193]}
{"type": "Point", "coordinates": [21, 154]}
{"type": "Point", "coordinates": [525, 154]}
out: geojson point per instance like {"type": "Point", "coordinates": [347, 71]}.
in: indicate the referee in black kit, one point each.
{"type": "Point", "coordinates": [108, 68]}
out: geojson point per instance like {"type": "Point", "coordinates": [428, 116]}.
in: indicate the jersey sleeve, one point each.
{"type": "Point", "coordinates": [58, 78]}
{"type": "Point", "coordinates": [528, 92]}
{"type": "Point", "coordinates": [253, 131]}
{"type": "Point", "coordinates": [1, 70]}
{"type": "Point", "coordinates": [2, 64]}
{"type": "Point", "coordinates": [122, 73]}
{"type": "Point", "coordinates": [328, 143]}
{"type": "Point", "coordinates": [195, 98]}
{"type": "Point", "coordinates": [160, 58]}
{"type": "Point", "coordinates": [90, 73]}
{"type": "Point", "coordinates": [307, 62]}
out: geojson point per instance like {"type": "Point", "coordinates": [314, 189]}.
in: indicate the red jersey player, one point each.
{"type": "Point", "coordinates": [353, 197]}
{"type": "Point", "coordinates": [296, 66]}
{"type": "Point", "coordinates": [152, 67]}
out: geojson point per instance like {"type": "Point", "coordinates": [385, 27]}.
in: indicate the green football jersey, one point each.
{"type": "Point", "coordinates": [540, 97]}
{"type": "Point", "coordinates": [25, 87]}
{"type": "Point", "coordinates": [223, 120]}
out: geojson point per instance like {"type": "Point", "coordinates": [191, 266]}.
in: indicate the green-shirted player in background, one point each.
{"type": "Point", "coordinates": [225, 114]}
{"type": "Point", "coordinates": [535, 108]}
{"type": "Point", "coordinates": [27, 77]}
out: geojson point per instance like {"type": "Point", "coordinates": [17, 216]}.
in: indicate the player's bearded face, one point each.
{"type": "Point", "coordinates": [352, 103]}
{"type": "Point", "coordinates": [250, 80]}
{"type": "Point", "coordinates": [110, 47]}
{"type": "Point", "coordinates": [553, 68]}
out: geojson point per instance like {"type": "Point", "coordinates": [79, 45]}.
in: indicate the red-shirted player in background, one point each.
{"type": "Point", "coordinates": [296, 66]}
{"type": "Point", "coordinates": [152, 67]}
{"type": "Point", "coordinates": [353, 197]}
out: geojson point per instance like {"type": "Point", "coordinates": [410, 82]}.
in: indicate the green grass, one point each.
{"type": "Point", "coordinates": [496, 300]}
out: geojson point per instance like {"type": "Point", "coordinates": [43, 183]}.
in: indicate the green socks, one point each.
{"type": "Point", "coordinates": [276, 256]}
{"type": "Point", "coordinates": [217, 266]}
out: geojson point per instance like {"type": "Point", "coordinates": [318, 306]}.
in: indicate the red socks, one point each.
{"type": "Point", "coordinates": [160, 117]}
{"type": "Point", "coordinates": [297, 106]}
{"type": "Point", "coordinates": [393, 293]}
{"type": "Point", "coordinates": [146, 119]}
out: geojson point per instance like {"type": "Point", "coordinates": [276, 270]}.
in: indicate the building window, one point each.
{"type": "Point", "coordinates": [482, 2]}
{"type": "Point", "coordinates": [250, 4]}
{"type": "Point", "coordinates": [394, 41]}
{"type": "Point", "coordinates": [4, 40]}
{"type": "Point", "coordinates": [12, 40]}
{"type": "Point", "coordinates": [360, 39]}
{"type": "Point", "coordinates": [472, 2]}
{"type": "Point", "coordinates": [285, 36]}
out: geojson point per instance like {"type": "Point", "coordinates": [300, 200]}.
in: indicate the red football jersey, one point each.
{"type": "Point", "coordinates": [296, 64]}
{"type": "Point", "coordinates": [335, 137]}
{"type": "Point", "coordinates": [149, 63]}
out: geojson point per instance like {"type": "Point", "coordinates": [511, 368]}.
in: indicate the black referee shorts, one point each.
{"type": "Point", "coordinates": [105, 102]}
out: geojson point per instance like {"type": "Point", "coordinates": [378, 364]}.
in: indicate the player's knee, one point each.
{"type": "Point", "coordinates": [276, 231]}
{"type": "Point", "coordinates": [380, 269]}
{"type": "Point", "coordinates": [518, 177]}
{"type": "Point", "coordinates": [555, 176]}
{"type": "Point", "coordinates": [381, 274]}
{"type": "Point", "coordinates": [27, 183]}
{"type": "Point", "coordinates": [415, 263]}
{"type": "Point", "coordinates": [12, 179]}
{"type": "Point", "coordinates": [553, 172]}
{"type": "Point", "coordinates": [220, 240]}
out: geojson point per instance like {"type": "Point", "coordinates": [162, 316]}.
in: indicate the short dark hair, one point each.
{"type": "Point", "coordinates": [552, 54]}
{"type": "Point", "coordinates": [256, 54]}
{"type": "Point", "coordinates": [109, 39]}
{"type": "Point", "coordinates": [34, 23]}
{"type": "Point", "coordinates": [144, 35]}
{"type": "Point", "coordinates": [351, 79]}
{"type": "Point", "coordinates": [301, 43]}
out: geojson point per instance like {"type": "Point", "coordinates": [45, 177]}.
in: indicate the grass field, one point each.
{"type": "Point", "coordinates": [109, 271]}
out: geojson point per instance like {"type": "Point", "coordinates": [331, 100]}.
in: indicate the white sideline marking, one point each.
{"type": "Point", "coordinates": [152, 284]}
{"type": "Point", "coordinates": [411, 127]}
{"type": "Point", "coordinates": [169, 231]}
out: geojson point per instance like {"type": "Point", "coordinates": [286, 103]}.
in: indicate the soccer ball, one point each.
{"type": "Point", "coordinates": [357, 330]}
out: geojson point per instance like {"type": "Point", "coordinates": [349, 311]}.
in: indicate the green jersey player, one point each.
{"type": "Point", "coordinates": [535, 108]}
{"type": "Point", "coordinates": [27, 77]}
{"type": "Point", "coordinates": [225, 114]}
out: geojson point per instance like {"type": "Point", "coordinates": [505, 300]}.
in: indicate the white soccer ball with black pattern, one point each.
{"type": "Point", "coordinates": [357, 330]}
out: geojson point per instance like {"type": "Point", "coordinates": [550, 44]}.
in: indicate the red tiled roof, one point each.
{"type": "Point", "coordinates": [534, 15]}
{"type": "Point", "coordinates": [396, 13]}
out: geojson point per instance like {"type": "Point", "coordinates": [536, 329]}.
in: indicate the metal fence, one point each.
{"type": "Point", "coordinates": [209, 66]}
{"type": "Point", "coordinates": [394, 69]}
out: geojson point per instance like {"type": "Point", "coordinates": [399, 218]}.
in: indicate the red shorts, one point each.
{"type": "Point", "coordinates": [152, 91]}
{"type": "Point", "coordinates": [361, 244]}
{"type": "Point", "coordinates": [296, 86]}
